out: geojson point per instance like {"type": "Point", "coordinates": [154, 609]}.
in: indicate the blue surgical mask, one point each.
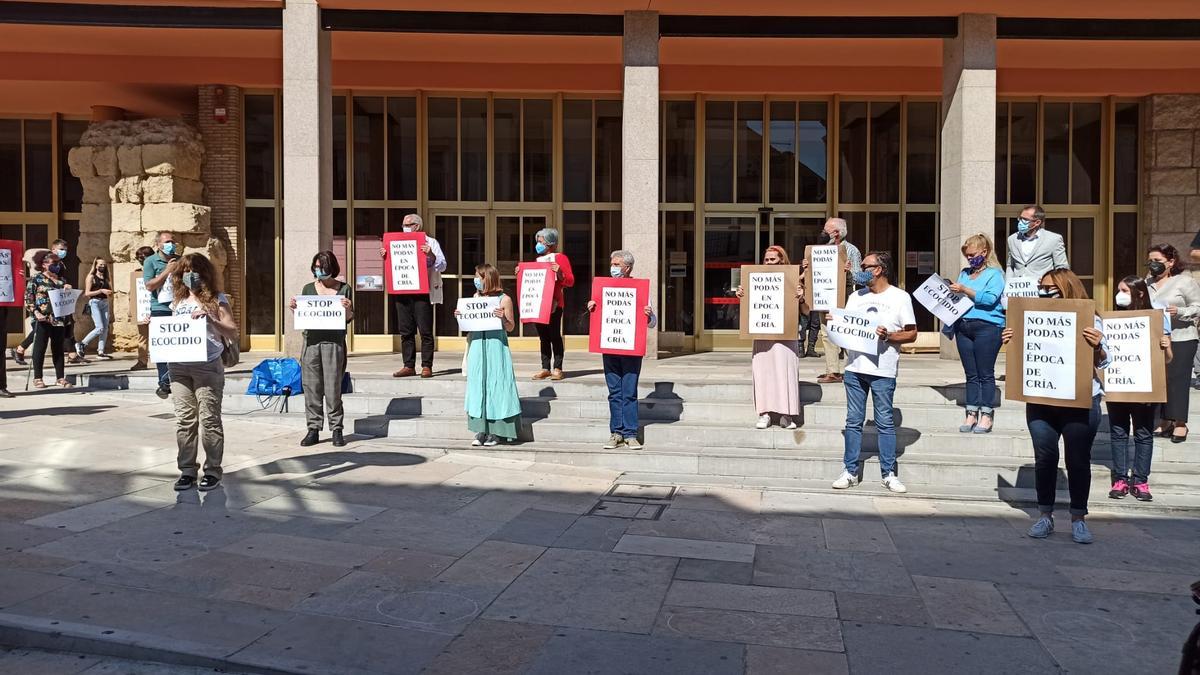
{"type": "Point", "coordinates": [191, 280]}
{"type": "Point", "coordinates": [320, 273]}
{"type": "Point", "coordinates": [169, 248]}
{"type": "Point", "coordinates": [478, 284]}
{"type": "Point", "coordinates": [1023, 225]}
{"type": "Point", "coordinates": [616, 272]}
{"type": "Point", "coordinates": [61, 253]}
{"type": "Point", "coordinates": [540, 248]}
{"type": "Point", "coordinates": [863, 277]}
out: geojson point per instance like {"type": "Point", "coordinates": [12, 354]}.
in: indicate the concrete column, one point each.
{"type": "Point", "coordinates": [968, 163]}
{"type": "Point", "coordinates": [639, 152]}
{"type": "Point", "coordinates": [307, 150]}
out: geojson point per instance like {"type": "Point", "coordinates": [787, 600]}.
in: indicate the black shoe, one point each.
{"type": "Point", "coordinates": [812, 352]}
{"type": "Point", "coordinates": [163, 391]}
{"type": "Point", "coordinates": [208, 482]}
{"type": "Point", "coordinates": [4, 393]}
{"type": "Point", "coordinates": [17, 356]}
{"type": "Point", "coordinates": [185, 483]}
{"type": "Point", "coordinates": [338, 441]}
{"type": "Point", "coordinates": [311, 438]}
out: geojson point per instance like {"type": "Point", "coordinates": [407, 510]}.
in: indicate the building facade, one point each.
{"type": "Point", "coordinates": [694, 135]}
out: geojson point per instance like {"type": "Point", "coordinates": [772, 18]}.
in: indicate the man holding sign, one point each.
{"type": "Point", "coordinates": [414, 311]}
{"type": "Point", "coordinates": [49, 329]}
{"type": "Point", "coordinates": [890, 310]}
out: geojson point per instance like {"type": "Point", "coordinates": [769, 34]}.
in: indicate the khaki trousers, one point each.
{"type": "Point", "coordinates": [196, 389]}
{"type": "Point", "coordinates": [833, 353]}
{"type": "Point", "coordinates": [143, 349]}
{"type": "Point", "coordinates": [322, 367]}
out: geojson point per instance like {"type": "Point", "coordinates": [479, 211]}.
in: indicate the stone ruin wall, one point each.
{"type": "Point", "coordinates": [139, 178]}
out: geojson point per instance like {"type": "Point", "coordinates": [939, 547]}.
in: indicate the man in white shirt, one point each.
{"type": "Point", "coordinates": [892, 312]}
{"type": "Point", "coordinates": [1033, 250]}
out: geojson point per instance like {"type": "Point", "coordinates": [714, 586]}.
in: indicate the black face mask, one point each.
{"type": "Point", "coordinates": [1156, 267]}
{"type": "Point", "coordinates": [57, 269]}
{"type": "Point", "coordinates": [1047, 293]}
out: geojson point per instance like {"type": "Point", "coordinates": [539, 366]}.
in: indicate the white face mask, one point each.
{"type": "Point", "coordinates": [1123, 299]}
{"type": "Point", "coordinates": [408, 228]}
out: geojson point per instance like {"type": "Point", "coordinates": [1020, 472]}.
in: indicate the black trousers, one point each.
{"type": "Point", "coordinates": [4, 365]}
{"type": "Point", "coordinates": [46, 334]}
{"type": "Point", "coordinates": [1077, 429]}
{"type": "Point", "coordinates": [28, 341]}
{"type": "Point", "coordinates": [551, 341]}
{"type": "Point", "coordinates": [1179, 381]}
{"type": "Point", "coordinates": [810, 324]}
{"type": "Point", "coordinates": [414, 313]}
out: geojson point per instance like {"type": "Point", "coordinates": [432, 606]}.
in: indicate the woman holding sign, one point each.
{"type": "Point", "coordinates": [550, 334]}
{"type": "Point", "coordinates": [197, 388]}
{"type": "Point", "coordinates": [323, 363]}
{"type": "Point", "coordinates": [775, 366]}
{"type": "Point", "coordinates": [1178, 295]}
{"type": "Point", "coordinates": [48, 329]}
{"type": "Point", "coordinates": [493, 405]}
{"type": "Point", "coordinates": [977, 333]}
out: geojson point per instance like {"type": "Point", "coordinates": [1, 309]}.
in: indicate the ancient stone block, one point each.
{"type": "Point", "coordinates": [167, 189]}
{"type": "Point", "coordinates": [104, 160]}
{"type": "Point", "coordinates": [1191, 219]}
{"type": "Point", "coordinates": [1175, 111]}
{"type": "Point", "coordinates": [95, 218]}
{"type": "Point", "coordinates": [96, 189]}
{"type": "Point", "coordinates": [123, 336]}
{"type": "Point", "coordinates": [171, 160]}
{"type": "Point", "coordinates": [127, 190]}
{"type": "Point", "coordinates": [1173, 149]}
{"type": "Point", "coordinates": [129, 160]}
{"type": "Point", "coordinates": [121, 273]}
{"type": "Point", "coordinates": [178, 218]}
{"type": "Point", "coordinates": [79, 160]}
{"type": "Point", "coordinates": [123, 245]}
{"type": "Point", "coordinates": [1173, 182]}
{"type": "Point", "coordinates": [126, 217]}
{"type": "Point", "coordinates": [91, 245]}
{"type": "Point", "coordinates": [1169, 214]}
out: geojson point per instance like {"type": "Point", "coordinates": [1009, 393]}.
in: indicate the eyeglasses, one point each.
{"type": "Point", "coordinates": [869, 267]}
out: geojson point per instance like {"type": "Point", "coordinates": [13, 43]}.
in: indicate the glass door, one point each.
{"type": "Point", "coordinates": [514, 237]}
{"type": "Point", "coordinates": [794, 233]}
{"type": "Point", "coordinates": [730, 241]}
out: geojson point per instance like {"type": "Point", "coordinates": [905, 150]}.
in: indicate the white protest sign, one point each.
{"type": "Point", "coordinates": [935, 295]}
{"type": "Point", "coordinates": [532, 291]}
{"type": "Point", "coordinates": [405, 261]}
{"type": "Point", "coordinates": [618, 306]}
{"type": "Point", "coordinates": [823, 275]}
{"type": "Point", "coordinates": [767, 295]}
{"type": "Point", "coordinates": [1018, 287]}
{"type": "Point", "coordinates": [178, 339]}
{"type": "Point", "coordinates": [63, 301]}
{"type": "Point", "coordinates": [852, 331]}
{"type": "Point", "coordinates": [8, 284]}
{"type": "Point", "coordinates": [1048, 354]}
{"type": "Point", "coordinates": [1129, 343]}
{"type": "Point", "coordinates": [478, 314]}
{"type": "Point", "coordinates": [142, 300]}
{"type": "Point", "coordinates": [319, 312]}
{"type": "Point", "coordinates": [166, 292]}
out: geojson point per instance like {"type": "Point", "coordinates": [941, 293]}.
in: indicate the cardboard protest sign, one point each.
{"type": "Point", "coordinates": [63, 301]}
{"type": "Point", "coordinates": [770, 309]}
{"type": "Point", "coordinates": [1019, 287]}
{"type": "Point", "coordinates": [319, 312]}
{"type": "Point", "coordinates": [535, 288]}
{"type": "Point", "coordinates": [1137, 369]}
{"type": "Point", "coordinates": [139, 298]}
{"type": "Point", "coordinates": [853, 331]}
{"type": "Point", "coordinates": [12, 274]}
{"type": "Point", "coordinates": [1049, 362]}
{"type": "Point", "coordinates": [619, 322]}
{"type": "Point", "coordinates": [825, 287]}
{"type": "Point", "coordinates": [935, 295]}
{"type": "Point", "coordinates": [178, 339]}
{"type": "Point", "coordinates": [478, 314]}
{"type": "Point", "coordinates": [407, 269]}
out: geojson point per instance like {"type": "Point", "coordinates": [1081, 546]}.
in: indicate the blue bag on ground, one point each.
{"type": "Point", "coordinates": [274, 377]}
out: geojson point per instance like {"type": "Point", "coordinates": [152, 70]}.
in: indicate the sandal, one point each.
{"type": "Point", "coordinates": [39, 384]}
{"type": "Point", "coordinates": [991, 423]}
{"type": "Point", "coordinates": [1164, 430]}
{"type": "Point", "coordinates": [1179, 438]}
{"type": "Point", "coordinates": [969, 424]}
{"type": "Point", "coordinates": [64, 384]}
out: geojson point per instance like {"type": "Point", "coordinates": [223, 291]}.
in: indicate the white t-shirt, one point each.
{"type": "Point", "coordinates": [891, 309]}
{"type": "Point", "coordinates": [189, 305]}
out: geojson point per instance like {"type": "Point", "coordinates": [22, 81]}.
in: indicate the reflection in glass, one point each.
{"type": "Point", "coordinates": [729, 243]}
{"type": "Point", "coordinates": [920, 237]}
{"type": "Point", "coordinates": [677, 272]}
{"type": "Point", "coordinates": [577, 244]}
{"type": "Point", "coordinates": [402, 148]}
{"type": "Point", "coordinates": [749, 151]}
{"type": "Point", "coordinates": [1000, 238]}
{"type": "Point", "coordinates": [1126, 254]}
{"type": "Point", "coordinates": [1023, 160]}
{"type": "Point", "coordinates": [474, 149]}
{"type": "Point", "coordinates": [340, 166]}
{"type": "Point", "coordinates": [339, 245]}
{"type": "Point", "coordinates": [813, 152]}
{"type": "Point", "coordinates": [577, 150]}
{"type": "Point", "coordinates": [782, 177]}
{"type": "Point", "coordinates": [539, 150]}
{"type": "Point", "coordinates": [368, 147]}
{"type": "Point", "coordinates": [70, 190]}
{"type": "Point", "coordinates": [718, 151]}
{"type": "Point", "coordinates": [885, 236]}
{"type": "Point", "coordinates": [442, 150]}
{"type": "Point", "coordinates": [506, 126]}
{"type": "Point", "coordinates": [679, 151]}
{"type": "Point", "coordinates": [1055, 146]}
{"type": "Point", "coordinates": [1125, 155]}
{"type": "Point", "coordinates": [606, 238]}
{"type": "Point", "coordinates": [852, 154]}
{"type": "Point", "coordinates": [260, 270]}
{"type": "Point", "coordinates": [922, 153]}
{"type": "Point", "coordinates": [1079, 249]}
{"type": "Point", "coordinates": [258, 144]}
{"type": "Point", "coordinates": [1085, 154]}
{"type": "Point", "coordinates": [885, 153]}
{"type": "Point", "coordinates": [369, 305]}
{"type": "Point", "coordinates": [509, 240]}
{"type": "Point", "coordinates": [608, 151]}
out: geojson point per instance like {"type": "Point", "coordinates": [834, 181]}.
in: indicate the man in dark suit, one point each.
{"type": "Point", "coordinates": [1033, 250]}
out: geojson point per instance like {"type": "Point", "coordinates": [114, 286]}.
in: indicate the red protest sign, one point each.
{"type": "Point", "coordinates": [12, 273]}
{"type": "Point", "coordinates": [407, 269]}
{"type": "Point", "coordinates": [535, 290]}
{"type": "Point", "coordinates": [619, 322]}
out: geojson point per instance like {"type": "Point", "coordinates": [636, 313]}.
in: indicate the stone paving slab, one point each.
{"type": "Point", "coordinates": [685, 548]}
{"type": "Point", "coordinates": [752, 599]}
{"type": "Point", "coordinates": [883, 609]}
{"type": "Point", "coordinates": [433, 533]}
{"type": "Point", "coordinates": [963, 604]}
{"type": "Point", "coordinates": [791, 567]}
{"type": "Point", "coordinates": [758, 628]}
{"type": "Point", "coordinates": [604, 653]}
{"type": "Point", "coordinates": [593, 533]}
{"type": "Point", "coordinates": [718, 571]}
{"type": "Point", "coordinates": [762, 660]}
{"type": "Point", "coordinates": [875, 649]}
{"type": "Point", "coordinates": [494, 647]}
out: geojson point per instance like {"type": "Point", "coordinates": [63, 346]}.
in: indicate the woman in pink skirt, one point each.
{"type": "Point", "coordinates": [776, 366]}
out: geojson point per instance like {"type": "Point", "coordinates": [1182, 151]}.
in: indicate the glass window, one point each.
{"type": "Point", "coordinates": [368, 147]}
{"type": "Point", "coordinates": [402, 148]}
{"type": "Point", "coordinates": [856, 229]}
{"type": "Point", "coordinates": [1085, 153]}
{"type": "Point", "coordinates": [577, 150]}
{"type": "Point", "coordinates": [1126, 252]}
{"type": "Point", "coordinates": [679, 151]}
{"type": "Point", "coordinates": [813, 153]}
{"type": "Point", "coordinates": [852, 154]}
{"type": "Point", "coordinates": [442, 149]}
{"type": "Point", "coordinates": [259, 144]}
{"type": "Point", "coordinates": [539, 150]}
{"type": "Point", "coordinates": [923, 162]}
{"type": "Point", "coordinates": [677, 272]}
{"type": "Point", "coordinates": [885, 236]}
{"type": "Point", "coordinates": [474, 149]}
{"type": "Point", "coordinates": [795, 235]}
{"type": "Point", "coordinates": [1080, 253]}
{"type": "Point", "coordinates": [1055, 148]}
{"type": "Point", "coordinates": [749, 151]}
{"type": "Point", "coordinates": [70, 190]}
{"type": "Point", "coordinates": [577, 244]}
{"type": "Point", "coordinates": [718, 151]}
{"type": "Point", "coordinates": [509, 241]}
{"type": "Point", "coordinates": [608, 151]}
{"type": "Point", "coordinates": [339, 244]}
{"type": "Point", "coordinates": [606, 238]}
{"type": "Point", "coordinates": [1125, 155]}
{"type": "Point", "coordinates": [260, 270]}
{"type": "Point", "coordinates": [10, 165]}
{"type": "Point", "coordinates": [920, 237]}
{"type": "Point", "coordinates": [729, 243]}
{"type": "Point", "coordinates": [368, 233]}
{"type": "Point", "coordinates": [885, 153]}
{"type": "Point", "coordinates": [1001, 153]}
{"type": "Point", "coordinates": [506, 126]}
{"type": "Point", "coordinates": [1000, 238]}
{"type": "Point", "coordinates": [340, 166]}
{"type": "Point", "coordinates": [1023, 157]}
{"type": "Point", "coordinates": [783, 153]}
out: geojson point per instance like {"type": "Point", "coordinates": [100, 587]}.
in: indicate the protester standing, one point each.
{"type": "Point", "coordinates": [775, 366]}
{"type": "Point", "coordinates": [977, 333]}
{"type": "Point", "coordinates": [97, 289]}
{"type": "Point", "coordinates": [18, 353]}
{"type": "Point", "coordinates": [836, 229]}
{"type": "Point", "coordinates": [197, 388]}
{"type": "Point", "coordinates": [550, 337]}
{"type": "Point", "coordinates": [493, 405]}
{"type": "Point", "coordinates": [414, 311]}
{"type": "Point", "coordinates": [143, 348]}
{"type": "Point", "coordinates": [1178, 295]}
{"type": "Point", "coordinates": [156, 273]}
{"type": "Point", "coordinates": [1132, 294]}
{"type": "Point", "coordinates": [323, 363]}
{"type": "Point", "coordinates": [1033, 250]}
{"type": "Point", "coordinates": [896, 324]}
{"type": "Point", "coordinates": [48, 329]}
{"type": "Point", "coordinates": [60, 249]}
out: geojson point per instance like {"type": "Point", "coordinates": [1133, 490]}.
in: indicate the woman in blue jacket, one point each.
{"type": "Point", "coordinates": [978, 331]}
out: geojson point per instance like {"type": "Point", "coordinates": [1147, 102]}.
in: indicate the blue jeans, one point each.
{"type": "Point", "coordinates": [100, 317]}
{"type": "Point", "coordinates": [882, 390]}
{"type": "Point", "coordinates": [164, 375]}
{"type": "Point", "coordinates": [1077, 429]}
{"type": "Point", "coordinates": [978, 344]}
{"type": "Point", "coordinates": [1120, 416]}
{"type": "Point", "coordinates": [621, 375]}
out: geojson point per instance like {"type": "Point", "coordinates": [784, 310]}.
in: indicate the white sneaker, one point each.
{"type": "Point", "coordinates": [892, 482]}
{"type": "Point", "coordinates": [490, 440]}
{"type": "Point", "coordinates": [787, 422]}
{"type": "Point", "coordinates": [478, 440]}
{"type": "Point", "coordinates": [846, 480]}
{"type": "Point", "coordinates": [763, 422]}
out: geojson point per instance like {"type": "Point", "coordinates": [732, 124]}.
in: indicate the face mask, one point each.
{"type": "Point", "coordinates": [976, 261]}
{"type": "Point", "coordinates": [320, 273]}
{"type": "Point", "coordinates": [479, 284]}
{"type": "Point", "coordinates": [407, 228]}
{"type": "Point", "coordinates": [863, 277]}
{"type": "Point", "coordinates": [57, 269]}
{"type": "Point", "coordinates": [832, 238]}
{"type": "Point", "coordinates": [169, 248]}
{"type": "Point", "coordinates": [615, 272]}
{"type": "Point", "coordinates": [1047, 293]}
{"type": "Point", "coordinates": [1124, 299]}
{"type": "Point", "coordinates": [191, 280]}
{"type": "Point", "coordinates": [540, 248]}
{"type": "Point", "coordinates": [1023, 225]}
{"type": "Point", "coordinates": [61, 253]}
{"type": "Point", "coordinates": [1156, 267]}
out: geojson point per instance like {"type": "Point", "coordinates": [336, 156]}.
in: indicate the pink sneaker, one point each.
{"type": "Point", "coordinates": [1141, 492]}
{"type": "Point", "coordinates": [1120, 488]}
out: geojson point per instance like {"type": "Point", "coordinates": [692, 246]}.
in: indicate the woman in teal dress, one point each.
{"type": "Point", "coordinates": [493, 405]}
